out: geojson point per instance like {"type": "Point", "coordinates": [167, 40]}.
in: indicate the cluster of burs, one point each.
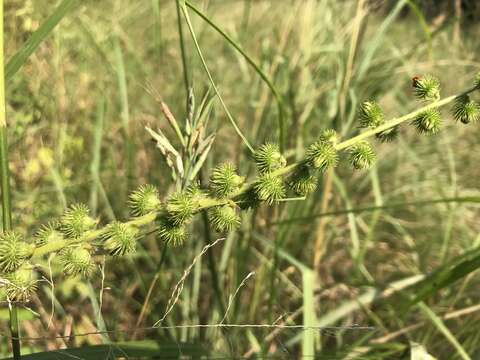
{"type": "Point", "coordinates": [75, 240]}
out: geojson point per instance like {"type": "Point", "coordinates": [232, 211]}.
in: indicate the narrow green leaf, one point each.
{"type": "Point", "coordinates": [143, 349]}
{"type": "Point", "coordinates": [444, 330]}
{"type": "Point", "coordinates": [22, 55]}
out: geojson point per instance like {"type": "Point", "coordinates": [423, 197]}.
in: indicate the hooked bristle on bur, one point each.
{"type": "Point", "coordinates": [302, 181]}
{"type": "Point", "coordinates": [224, 218]}
{"type": "Point", "coordinates": [322, 155]}
{"type": "Point", "coordinates": [371, 115]}
{"type": "Point", "coordinates": [48, 233]}
{"type": "Point", "coordinates": [14, 251]}
{"type": "Point", "coordinates": [269, 158]}
{"type": "Point", "coordinates": [76, 260]}
{"type": "Point", "coordinates": [362, 155]}
{"type": "Point", "coordinates": [270, 188]}
{"type": "Point", "coordinates": [428, 122]}
{"type": "Point", "coordinates": [180, 207]}
{"type": "Point", "coordinates": [76, 220]}
{"type": "Point", "coordinates": [120, 239]}
{"type": "Point", "coordinates": [466, 110]}
{"type": "Point", "coordinates": [225, 181]}
{"type": "Point", "coordinates": [21, 284]}
{"type": "Point", "coordinates": [171, 234]}
{"type": "Point", "coordinates": [144, 200]}
{"type": "Point", "coordinates": [427, 88]}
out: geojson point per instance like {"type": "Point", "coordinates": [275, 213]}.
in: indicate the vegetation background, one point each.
{"type": "Point", "coordinates": [77, 112]}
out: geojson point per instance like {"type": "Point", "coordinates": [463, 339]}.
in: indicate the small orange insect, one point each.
{"type": "Point", "coordinates": [415, 81]}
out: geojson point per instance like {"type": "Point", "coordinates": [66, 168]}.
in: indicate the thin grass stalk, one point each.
{"type": "Point", "coordinates": [182, 48]}
{"type": "Point", "coordinates": [258, 70]}
{"type": "Point", "coordinates": [5, 184]}
{"type": "Point", "coordinates": [205, 67]}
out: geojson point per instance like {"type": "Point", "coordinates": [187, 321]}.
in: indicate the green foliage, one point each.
{"type": "Point", "coordinates": [269, 158]}
{"type": "Point", "coordinates": [362, 155]}
{"type": "Point", "coordinates": [144, 200]}
{"type": "Point", "coordinates": [427, 88]}
{"type": "Point", "coordinates": [428, 122]}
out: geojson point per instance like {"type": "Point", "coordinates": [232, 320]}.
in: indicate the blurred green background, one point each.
{"type": "Point", "coordinates": [77, 112]}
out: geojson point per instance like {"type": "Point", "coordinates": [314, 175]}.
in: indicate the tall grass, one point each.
{"type": "Point", "coordinates": [370, 248]}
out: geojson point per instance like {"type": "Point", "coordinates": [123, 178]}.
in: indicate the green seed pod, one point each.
{"type": "Point", "coordinates": [181, 207]}
{"type": "Point", "coordinates": [362, 155]}
{"type": "Point", "coordinates": [302, 181]}
{"type": "Point", "coordinates": [48, 233]}
{"type": "Point", "coordinates": [269, 158]}
{"type": "Point", "coordinates": [77, 261]}
{"type": "Point", "coordinates": [172, 234]}
{"type": "Point", "coordinates": [225, 181]}
{"type": "Point", "coordinates": [14, 251]}
{"type": "Point", "coordinates": [428, 122]}
{"type": "Point", "coordinates": [466, 110]}
{"type": "Point", "coordinates": [329, 135]}
{"type": "Point", "coordinates": [269, 188]}
{"type": "Point", "coordinates": [371, 115]}
{"type": "Point", "coordinates": [144, 200]}
{"type": "Point", "coordinates": [322, 155]}
{"type": "Point", "coordinates": [120, 238]}
{"type": "Point", "coordinates": [224, 218]}
{"type": "Point", "coordinates": [388, 135]}
{"type": "Point", "coordinates": [21, 284]}
{"type": "Point", "coordinates": [426, 88]}
{"type": "Point", "coordinates": [76, 221]}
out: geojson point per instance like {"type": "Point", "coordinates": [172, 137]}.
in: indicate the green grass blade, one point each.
{"type": "Point", "coordinates": [308, 344]}
{"type": "Point", "coordinates": [466, 199]}
{"type": "Point", "coordinates": [17, 60]}
{"type": "Point", "coordinates": [258, 70]}
{"type": "Point", "coordinates": [444, 330]}
{"type": "Point", "coordinates": [204, 64]}
{"type": "Point", "coordinates": [144, 349]}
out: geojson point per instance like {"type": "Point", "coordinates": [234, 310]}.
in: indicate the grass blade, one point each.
{"type": "Point", "coordinates": [200, 54]}
{"type": "Point", "coordinates": [258, 70]}
{"type": "Point", "coordinates": [444, 330]}
{"type": "Point", "coordinates": [144, 349]}
{"type": "Point", "coordinates": [17, 60]}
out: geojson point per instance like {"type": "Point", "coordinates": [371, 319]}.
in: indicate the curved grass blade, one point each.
{"type": "Point", "coordinates": [258, 70]}
{"type": "Point", "coordinates": [22, 55]}
{"type": "Point", "coordinates": [204, 64]}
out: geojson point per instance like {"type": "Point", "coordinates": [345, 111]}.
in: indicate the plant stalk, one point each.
{"type": "Point", "coordinates": [208, 202]}
{"type": "Point", "coordinates": [5, 184]}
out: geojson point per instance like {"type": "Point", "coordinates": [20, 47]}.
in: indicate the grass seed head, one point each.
{"type": "Point", "coordinates": [14, 251]}
{"type": "Point", "coordinates": [144, 200]}
{"type": "Point", "coordinates": [428, 122]}
{"type": "Point", "coordinates": [269, 158]}
{"type": "Point", "coordinates": [362, 155]}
